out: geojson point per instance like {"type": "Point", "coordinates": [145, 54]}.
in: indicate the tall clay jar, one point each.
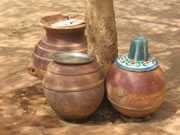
{"type": "Point", "coordinates": [62, 33]}
{"type": "Point", "coordinates": [135, 82]}
{"type": "Point", "coordinates": [74, 85]}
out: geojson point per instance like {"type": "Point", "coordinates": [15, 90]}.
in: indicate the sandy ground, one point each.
{"type": "Point", "coordinates": [23, 108]}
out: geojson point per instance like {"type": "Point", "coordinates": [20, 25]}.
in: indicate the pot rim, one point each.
{"type": "Point", "coordinates": [72, 58]}
{"type": "Point", "coordinates": [47, 21]}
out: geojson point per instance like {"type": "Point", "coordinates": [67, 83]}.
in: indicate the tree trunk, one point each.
{"type": "Point", "coordinates": [101, 31]}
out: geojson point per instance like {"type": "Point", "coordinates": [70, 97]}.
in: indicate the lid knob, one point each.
{"type": "Point", "coordinates": [139, 49]}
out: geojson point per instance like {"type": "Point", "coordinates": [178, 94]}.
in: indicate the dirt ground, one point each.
{"type": "Point", "coordinates": [23, 107]}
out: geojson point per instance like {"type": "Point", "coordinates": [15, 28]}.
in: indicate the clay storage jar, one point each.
{"type": "Point", "coordinates": [135, 82]}
{"type": "Point", "coordinates": [62, 33]}
{"type": "Point", "coordinates": [74, 85]}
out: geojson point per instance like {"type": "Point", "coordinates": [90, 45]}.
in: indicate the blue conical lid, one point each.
{"type": "Point", "coordinates": [138, 58]}
{"type": "Point", "coordinates": [139, 49]}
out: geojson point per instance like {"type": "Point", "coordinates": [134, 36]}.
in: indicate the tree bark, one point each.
{"type": "Point", "coordinates": [101, 31]}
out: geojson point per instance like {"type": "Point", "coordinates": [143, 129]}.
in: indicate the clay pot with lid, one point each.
{"type": "Point", "coordinates": [135, 82]}
{"type": "Point", "coordinates": [62, 33]}
{"type": "Point", "coordinates": [74, 85]}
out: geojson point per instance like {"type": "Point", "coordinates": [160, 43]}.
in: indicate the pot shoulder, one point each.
{"type": "Point", "coordinates": [136, 82]}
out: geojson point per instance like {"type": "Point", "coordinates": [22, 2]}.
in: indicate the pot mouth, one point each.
{"type": "Point", "coordinates": [72, 58]}
{"type": "Point", "coordinates": [63, 22]}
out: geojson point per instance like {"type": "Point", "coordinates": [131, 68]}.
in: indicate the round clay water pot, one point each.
{"type": "Point", "coordinates": [135, 82]}
{"type": "Point", "coordinates": [74, 85]}
{"type": "Point", "coordinates": [63, 33]}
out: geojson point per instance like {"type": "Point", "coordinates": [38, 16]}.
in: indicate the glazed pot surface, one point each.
{"type": "Point", "coordinates": [57, 39]}
{"type": "Point", "coordinates": [74, 91]}
{"type": "Point", "coordinates": [135, 94]}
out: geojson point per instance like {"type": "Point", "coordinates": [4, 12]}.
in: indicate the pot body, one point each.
{"type": "Point", "coordinates": [55, 40]}
{"type": "Point", "coordinates": [135, 94]}
{"type": "Point", "coordinates": [74, 91]}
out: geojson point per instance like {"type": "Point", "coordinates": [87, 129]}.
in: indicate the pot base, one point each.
{"type": "Point", "coordinates": [135, 113]}
{"type": "Point", "coordinates": [75, 105]}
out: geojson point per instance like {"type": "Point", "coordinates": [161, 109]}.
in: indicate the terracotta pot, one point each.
{"type": "Point", "coordinates": [136, 83]}
{"type": "Point", "coordinates": [74, 85]}
{"type": "Point", "coordinates": [62, 33]}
